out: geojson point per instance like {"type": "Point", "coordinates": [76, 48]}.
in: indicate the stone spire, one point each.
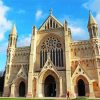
{"type": "Point", "coordinates": [91, 20]}
{"type": "Point", "coordinates": [14, 31]}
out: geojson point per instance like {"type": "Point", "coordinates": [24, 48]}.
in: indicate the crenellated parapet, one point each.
{"type": "Point", "coordinates": [81, 49]}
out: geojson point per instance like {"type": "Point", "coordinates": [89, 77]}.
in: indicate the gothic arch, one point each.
{"type": "Point", "coordinates": [17, 85]}
{"type": "Point", "coordinates": [48, 72]}
{"type": "Point", "coordinates": [86, 84]}
{"type": "Point", "coordinates": [50, 35]}
{"type": "Point", "coordinates": [22, 89]}
{"type": "Point", "coordinates": [52, 44]}
{"type": "Point", "coordinates": [55, 75]}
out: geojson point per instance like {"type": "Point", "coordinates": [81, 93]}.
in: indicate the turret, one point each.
{"type": "Point", "coordinates": [92, 26]}
{"type": "Point", "coordinates": [11, 43]}
{"type": "Point", "coordinates": [11, 47]}
{"type": "Point", "coordinates": [10, 51]}
{"type": "Point", "coordinates": [93, 31]}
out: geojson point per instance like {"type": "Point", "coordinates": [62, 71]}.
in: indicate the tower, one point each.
{"type": "Point", "coordinates": [10, 51]}
{"type": "Point", "coordinates": [94, 42]}
{"type": "Point", "coordinates": [92, 26]}
{"type": "Point", "coordinates": [11, 46]}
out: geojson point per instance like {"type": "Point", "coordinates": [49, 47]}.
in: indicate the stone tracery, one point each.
{"type": "Point", "coordinates": [54, 47]}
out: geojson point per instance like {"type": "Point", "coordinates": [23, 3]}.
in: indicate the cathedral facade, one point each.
{"type": "Point", "coordinates": [54, 63]}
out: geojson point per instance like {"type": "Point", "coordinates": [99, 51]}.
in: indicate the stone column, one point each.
{"type": "Point", "coordinates": [91, 95]}
{"type": "Point", "coordinates": [6, 92]}
{"type": "Point", "coordinates": [40, 90]}
{"type": "Point", "coordinates": [12, 94]}
{"type": "Point", "coordinates": [73, 91]}
{"type": "Point", "coordinates": [30, 83]}
{"type": "Point", "coordinates": [61, 92]}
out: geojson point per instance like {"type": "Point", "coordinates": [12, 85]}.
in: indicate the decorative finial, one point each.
{"type": "Point", "coordinates": [51, 11]}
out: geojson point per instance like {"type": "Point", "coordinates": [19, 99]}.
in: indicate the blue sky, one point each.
{"type": "Point", "coordinates": [27, 13]}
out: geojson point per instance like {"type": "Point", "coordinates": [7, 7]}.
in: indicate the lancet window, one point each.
{"type": "Point", "coordinates": [53, 46]}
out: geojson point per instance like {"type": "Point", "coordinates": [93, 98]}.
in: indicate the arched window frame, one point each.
{"type": "Point", "coordinates": [54, 47]}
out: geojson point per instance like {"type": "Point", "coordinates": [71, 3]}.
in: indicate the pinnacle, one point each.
{"type": "Point", "coordinates": [14, 31]}
{"type": "Point", "coordinates": [91, 19]}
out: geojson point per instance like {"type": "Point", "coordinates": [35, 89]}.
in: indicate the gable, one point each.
{"type": "Point", "coordinates": [48, 65]}
{"type": "Point", "coordinates": [81, 71]}
{"type": "Point", "coordinates": [50, 23]}
{"type": "Point", "coordinates": [21, 74]}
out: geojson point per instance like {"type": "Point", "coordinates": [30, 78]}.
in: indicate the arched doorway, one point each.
{"type": "Point", "coordinates": [50, 86]}
{"type": "Point", "coordinates": [22, 89]}
{"type": "Point", "coordinates": [81, 87]}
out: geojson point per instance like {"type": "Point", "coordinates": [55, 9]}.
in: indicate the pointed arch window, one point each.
{"type": "Point", "coordinates": [54, 47]}
{"type": "Point", "coordinates": [51, 23]}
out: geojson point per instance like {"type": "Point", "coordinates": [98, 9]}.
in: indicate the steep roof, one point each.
{"type": "Point", "coordinates": [21, 74]}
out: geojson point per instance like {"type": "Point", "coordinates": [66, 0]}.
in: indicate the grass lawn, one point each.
{"type": "Point", "coordinates": [45, 99]}
{"type": "Point", "coordinates": [22, 99]}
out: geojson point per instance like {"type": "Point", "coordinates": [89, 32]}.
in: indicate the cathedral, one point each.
{"type": "Point", "coordinates": [54, 63]}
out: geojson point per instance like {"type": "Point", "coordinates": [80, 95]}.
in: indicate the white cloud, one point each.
{"type": "Point", "coordinates": [24, 40]}
{"type": "Point", "coordinates": [5, 24]}
{"type": "Point", "coordinates": [38, 14]}
{"type": "Point", "coordinates": [78, 27]}
{"type": "Point", "coordinates": [98, 20]}
{"type": "Point", "coordinates": [94, 6]}
{"type": "Point", "coordinates": [3, 47]}
{"type": "Point", "coordinates": [77, 30]}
